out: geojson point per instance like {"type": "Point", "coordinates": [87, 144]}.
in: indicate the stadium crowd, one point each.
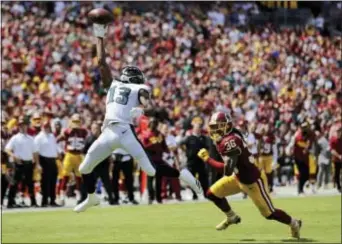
{"type": "Point", "coordinates": [196, 63]}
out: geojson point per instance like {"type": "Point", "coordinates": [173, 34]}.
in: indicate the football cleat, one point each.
{"type": "Point", "coordinates": [295, 229]}
{"type": "Point", "coordinates": [228, 221]}
{"type": "Point", "coordinates": [92, 200]}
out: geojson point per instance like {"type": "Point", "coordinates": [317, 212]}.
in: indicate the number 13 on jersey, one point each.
{"type": "Point", "coordinates": [119, 95]}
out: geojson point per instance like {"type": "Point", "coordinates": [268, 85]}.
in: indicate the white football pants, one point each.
{"type": "Point", "coordinates": [113, 136]}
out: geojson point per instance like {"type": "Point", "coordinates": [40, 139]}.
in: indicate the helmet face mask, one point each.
{"type": "Point", "coordinates": [218, 130]}
{"type": "Point", "coordinates": [219, 125]}
{"type": "Point", "coordinates": [132, 74]}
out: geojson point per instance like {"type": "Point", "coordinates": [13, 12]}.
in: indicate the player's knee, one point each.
{"type": "Point", "coordinates": [210, 195]}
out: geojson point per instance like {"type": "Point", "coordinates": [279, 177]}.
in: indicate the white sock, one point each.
{"type": "Point", "coordinates": [293, 222]}
{"type": "Point", "coordinates": [188, 178]}
{"type": "Point", "coordinates": [230, 214]}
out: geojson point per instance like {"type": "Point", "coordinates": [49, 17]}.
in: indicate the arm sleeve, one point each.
{"type": "Point", "coordinates": [219, 166]}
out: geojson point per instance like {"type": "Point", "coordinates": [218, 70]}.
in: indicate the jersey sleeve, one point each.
{"type": "Point", "coordinates": [231, 146]}
{"type": "Point", "coordinates": [219, 166]}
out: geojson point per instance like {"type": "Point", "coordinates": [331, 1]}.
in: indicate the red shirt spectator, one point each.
{"type": "Point", "coordinates": [336, 146]}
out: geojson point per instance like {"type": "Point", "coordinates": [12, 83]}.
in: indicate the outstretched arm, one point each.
{"type": "Point", "coordinates": [106, 75]}
{"type": "Point", "coordinates": [204, 155]}
{"type": "Point", "coordinates": [227, 168]}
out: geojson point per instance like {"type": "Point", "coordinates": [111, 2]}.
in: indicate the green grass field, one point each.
{"type": "Point", "coordinates": [175, 223]}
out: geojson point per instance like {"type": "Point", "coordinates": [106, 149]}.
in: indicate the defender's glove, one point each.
{"type": "Point", "coordinates": [203, 154]}
{"type": "Point", "coordinates": [100, 30]}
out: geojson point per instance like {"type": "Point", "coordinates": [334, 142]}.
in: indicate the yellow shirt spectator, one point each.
{"type": "Point", "coordinates": [44, 86]}
{"type": "Point", "coordinates": [11, 124]}
{"type": "Point", "coordinates": [156, 92]}
{"type": "Point", "coordinates": [288, 93]}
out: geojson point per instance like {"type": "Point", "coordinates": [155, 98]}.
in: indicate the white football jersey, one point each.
{"type": "Point", "coordinates": [121, 98]}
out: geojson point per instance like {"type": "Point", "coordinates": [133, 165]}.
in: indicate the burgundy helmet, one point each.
{"type": "Point", "coordinates": [220, 124]}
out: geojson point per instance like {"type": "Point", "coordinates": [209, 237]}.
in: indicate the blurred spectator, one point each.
{"type": "Point", "coordinates": [324, 160]}
{"type": "Point", "coordinates": [336, 151]}
{"type": "Point", "coordinates": [6, 174]}
{"type": "Point", "coordinates": [21, 148]}
{"type": "Point", "coordinates": [172, 159]}
{"type": "Point", "coordinates": [285, 167]}
{"type": "Point", "coordinates": [48, 151]}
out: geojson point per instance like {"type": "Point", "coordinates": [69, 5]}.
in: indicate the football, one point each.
{"type": "Point", "coordinates": [100, 16]}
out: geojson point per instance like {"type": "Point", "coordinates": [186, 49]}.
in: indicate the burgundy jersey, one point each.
{"type": "Point", "coordinates": [302, 146]}
{"type": "Point", "coordinates": [74, 139]}
{"type": "Point", "coordinates": [245, 169]}
{"type": "Point", "coordinates": [155, 145]}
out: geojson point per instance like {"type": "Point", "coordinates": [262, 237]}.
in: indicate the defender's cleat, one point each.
{"type": "Point", "coordinates": [228, 221]}
{"type": "Point", "coordinates": [295, 229]}
{"type": "Point", "coordinates": [92, 200]}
